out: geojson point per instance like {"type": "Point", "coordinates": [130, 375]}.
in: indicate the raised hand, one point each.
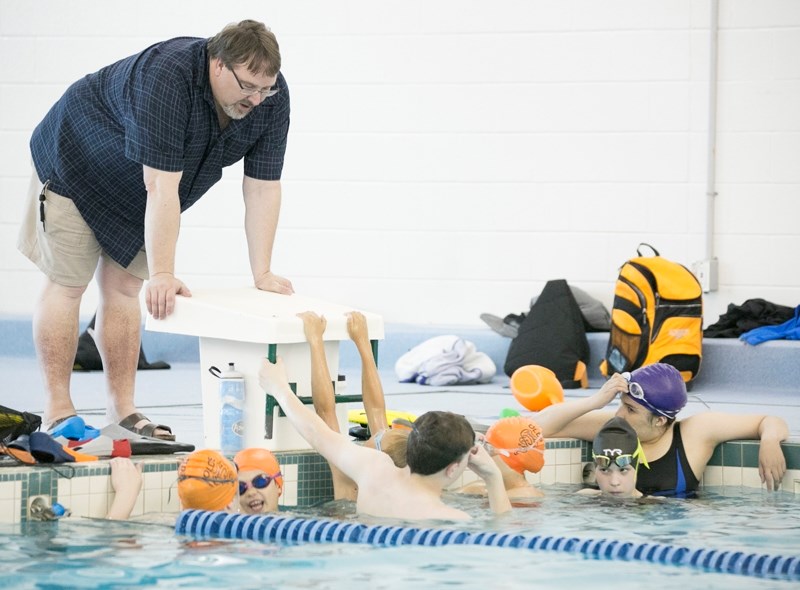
{"type": "Point", "coordinates": [313, 325]}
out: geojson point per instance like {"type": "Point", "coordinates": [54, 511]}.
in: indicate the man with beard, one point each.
{"type": "Point", "coordinates": [117, 159]}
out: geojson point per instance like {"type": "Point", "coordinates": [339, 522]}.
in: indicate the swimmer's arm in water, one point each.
{"type": "Point", "coordinates": [771, 460]}
{"type": "Point", "coordinates": [588, 492]}
{"type": "Point", "coordinates": [706, 430]}
{"type": "Point", "coordinates": [126, 479]}
{"type": "Point", "coordinates": [579, 418]}
{"type": "Point", "coordinates": [484, 467]}
{"type": "Point", "coordinates": [353, 460]}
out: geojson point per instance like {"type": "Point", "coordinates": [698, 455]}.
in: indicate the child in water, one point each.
{"type": "Point", "coordinates": [617, 454]}
{"type": "Point", "coordinates": [260, 481]}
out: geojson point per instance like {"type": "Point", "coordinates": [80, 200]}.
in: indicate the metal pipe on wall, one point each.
{"type": "Point", "coordinates": [711, 179]}
{"type": "Point", "coordinates": [706, 269]}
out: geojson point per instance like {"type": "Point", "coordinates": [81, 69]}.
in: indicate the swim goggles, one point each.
{"type": "Point", "coordinates": [259, 482]}
{"type": "Point", "coordinates": [621, 461]}
{"type": "Point", "coordinates": [378, 439]}
{"type": "Point", "coordinates": [490, 448]}
{"type": "Point", "coordinates": [206, 479]}
{"type": "Point", "coordinates": [635, 390]}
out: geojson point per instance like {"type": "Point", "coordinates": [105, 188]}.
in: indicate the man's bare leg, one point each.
{"type": "Point", "coordinates": [55, 337]}
{"type": "Point", "coordinates": [323, 395]}
{"type": "Point", "coordinates": [371, 388]}
{"type": "Point", "coordinates": [118, 338]}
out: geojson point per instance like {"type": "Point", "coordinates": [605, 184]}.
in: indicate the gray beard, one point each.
{"type": "Point", "coordinates": [233, 113]}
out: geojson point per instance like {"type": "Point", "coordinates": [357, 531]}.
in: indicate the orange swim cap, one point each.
{"type": "Point", "coordinates": [536, 387]}
{"type": "Point", "coordinates": [519, 442]}
{"type": "Point", "coordinates": [257, 459]}
{"type": "Point", "coordinates": [206, 481]}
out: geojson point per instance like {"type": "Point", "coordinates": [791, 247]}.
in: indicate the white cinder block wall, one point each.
{"type": "Point", "coordinates": [448, 158]}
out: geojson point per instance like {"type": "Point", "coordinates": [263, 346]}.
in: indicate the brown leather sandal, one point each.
{"type": "Point", "coordinates": [149, 429]}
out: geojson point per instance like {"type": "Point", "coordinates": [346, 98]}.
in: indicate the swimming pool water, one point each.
{"type": "Point", "coordinates": [81, 553]}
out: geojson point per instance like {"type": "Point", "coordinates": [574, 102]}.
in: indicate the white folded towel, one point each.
{"type": "Point", "coordinates": [445, 360]}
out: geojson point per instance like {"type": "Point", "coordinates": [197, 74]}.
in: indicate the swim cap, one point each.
{"type": "Point", "coordinates": [618, 438]}
{"type": "Point", "coordinates": [663, 387]}
{"type": "Point", "coordinates": [521, 439]}
{"type": "Point", "coordinates": [536, 387]}
{"type": "Point", "coordinates": [206, 481]}
{"type": "Point", "coordinates": [257, 459]}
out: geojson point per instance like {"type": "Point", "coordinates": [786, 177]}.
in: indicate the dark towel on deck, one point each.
{"type": "Point", "coordinates": [751, 314]}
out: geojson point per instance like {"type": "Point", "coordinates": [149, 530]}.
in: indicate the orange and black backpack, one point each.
{"type": "Point", "coordinates": [657, 317]}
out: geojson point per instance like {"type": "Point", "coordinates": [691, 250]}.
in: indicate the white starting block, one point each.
{"type": "Point", "coordinates": [244, 326]}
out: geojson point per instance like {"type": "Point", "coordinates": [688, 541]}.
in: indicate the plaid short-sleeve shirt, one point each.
{"type": "Point", "coordinates": [155, 109]}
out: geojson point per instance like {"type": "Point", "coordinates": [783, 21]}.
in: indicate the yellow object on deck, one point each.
{"type": "Point", "coordinates": [360, 416]}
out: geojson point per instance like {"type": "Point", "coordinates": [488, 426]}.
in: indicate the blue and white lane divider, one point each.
{"type": "Point", "coordinates": [292, 530]}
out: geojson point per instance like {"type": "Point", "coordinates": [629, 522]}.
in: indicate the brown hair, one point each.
{"type": "Point", "coordinates": [394, 443]}
{"type": "Point", "coordinates": [437, 440]}
{"type": "Point", "coordinates": [248, 42]}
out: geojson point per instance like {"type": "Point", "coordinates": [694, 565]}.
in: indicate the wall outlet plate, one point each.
{"type": "Point", "coordinates": [707, 273]}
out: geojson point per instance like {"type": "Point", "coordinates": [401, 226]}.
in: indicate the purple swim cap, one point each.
{"type": "Point", "coordinates": [660, 389]}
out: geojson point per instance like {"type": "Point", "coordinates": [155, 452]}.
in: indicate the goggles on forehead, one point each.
{"type": "Point", "coordinates": [259, 482]}
{"type": "Point", "coordinates": [621, 461]}
{"type": "Point", "coordinates": [635, 390]}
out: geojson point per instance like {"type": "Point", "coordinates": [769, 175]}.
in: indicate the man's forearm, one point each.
{"type": "Point", "coordinates": [162, 221]}
{"type": "Point", "coordinates": [161, 237]}
{"type": "Point", "coordinates": [262, 210]}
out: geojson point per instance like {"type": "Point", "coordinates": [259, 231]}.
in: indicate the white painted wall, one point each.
{"type": "Point", "coordinates": [447, 158]}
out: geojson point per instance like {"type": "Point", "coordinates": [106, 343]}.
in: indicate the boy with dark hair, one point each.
{"type": "Point", "coordinates": [385, 490]}
{"type": "Point", "coordinates": [438, 439]}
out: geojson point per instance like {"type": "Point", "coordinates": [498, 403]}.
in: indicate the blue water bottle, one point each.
{"type": "Point", "coordinates": [231, 393]}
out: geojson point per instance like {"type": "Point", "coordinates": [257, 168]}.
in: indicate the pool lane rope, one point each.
{"type": "Point", "coordinates": [293, 530]}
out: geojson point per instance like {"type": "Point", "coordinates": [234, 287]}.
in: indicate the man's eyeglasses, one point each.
{"type": "Point", "coordinates": [251, 90]}
{"type": "Point", "coordinates": [259, 482]}
{"type": "Point", "coordinates": [604, 461]}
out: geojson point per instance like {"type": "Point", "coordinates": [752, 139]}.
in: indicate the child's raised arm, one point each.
{"type": "Point", "coordinates": [572, 418]}
{"type": "Point", "coordinates": [353, 460]}
{"type": "Point", "coordinates": [484, 467]}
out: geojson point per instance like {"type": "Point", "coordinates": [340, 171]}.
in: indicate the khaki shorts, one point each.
{"type": "Point", "coordinates": [64, 247]}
